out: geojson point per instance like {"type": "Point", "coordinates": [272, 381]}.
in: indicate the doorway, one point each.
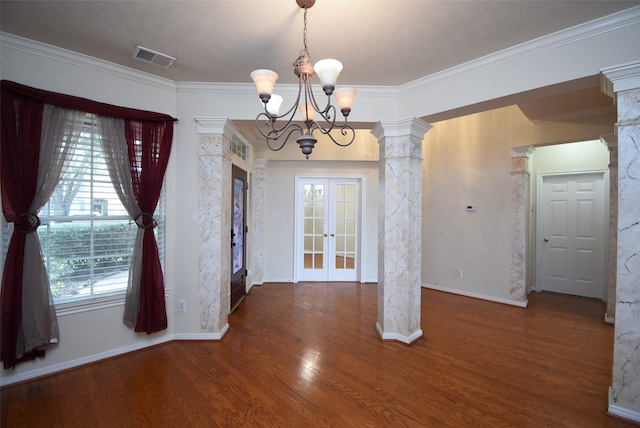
{"type": "Point", "coordinates": [328, 229]}
{"type": "Point", "coordinates": [571, 234]}
{"type": "Point", "coordinates": [238, 236]}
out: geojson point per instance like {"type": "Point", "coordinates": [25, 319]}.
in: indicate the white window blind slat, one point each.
{"type": "Point", "coordinates": [86, 234]}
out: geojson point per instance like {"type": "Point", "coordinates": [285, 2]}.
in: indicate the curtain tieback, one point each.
{"type": "Point", "coordinates": [140, 221]}
{"type": "Point", "coordinates": [26, 222]}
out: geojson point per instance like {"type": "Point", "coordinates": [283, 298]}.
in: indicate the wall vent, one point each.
{"type": "Point", "coordinates": [152, 57]}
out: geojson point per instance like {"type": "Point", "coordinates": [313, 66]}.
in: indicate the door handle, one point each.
{"type": "Point", "coordinates": [333, 234]}
{"type": "Point", "coordinates": [546, 239]}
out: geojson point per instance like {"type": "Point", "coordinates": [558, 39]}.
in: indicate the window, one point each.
{"type": "Point", "coordinates": [85, 233]}
{"type": "Point", "coordinates": [240, 147]}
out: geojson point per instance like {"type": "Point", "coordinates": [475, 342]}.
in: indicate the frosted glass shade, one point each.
{"type": "Point", "coordinates": [328, 71]}
{"type": "Point", "coordinates": [307, 111]}
{"type": "Point", "coordinates": [265, 80]}
{"type": "Point", "coordinates": [345, 97]}
{"type": "Point", "coordinates": [273, 106]}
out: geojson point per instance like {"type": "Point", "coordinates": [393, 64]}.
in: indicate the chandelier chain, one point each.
{"type": "Point", "coordinates": [304, 32]}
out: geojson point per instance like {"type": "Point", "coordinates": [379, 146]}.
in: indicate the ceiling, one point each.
{"type": "Point", "coordinates": [380, 42]}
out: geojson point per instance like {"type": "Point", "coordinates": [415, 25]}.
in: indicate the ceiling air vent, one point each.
{"type": "Point", "coordinates": [152, 57]}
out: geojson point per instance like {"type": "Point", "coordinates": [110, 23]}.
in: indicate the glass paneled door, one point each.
{"type": "Point", "coordinates": [328, 229]}
{"type": "Point", "coordinates": [238, 235]}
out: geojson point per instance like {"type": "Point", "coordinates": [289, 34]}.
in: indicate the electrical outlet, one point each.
{"type": "Point", "coordinates": [182, 306]}
{"type": "Point", "coordinates": [459, 272]}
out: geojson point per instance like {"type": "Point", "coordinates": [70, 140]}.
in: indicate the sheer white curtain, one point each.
{"type": "Point", "coordinates": [61, 129]}
{"type": "Point", "coordinates": [114, 147]}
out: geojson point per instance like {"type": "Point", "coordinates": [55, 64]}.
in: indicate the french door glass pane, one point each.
{"type": "Point", "coordinates": [238, 222]}
{"type": "Point", "coordinates": [313, 226]}
{"type": "Point", "coordinates": [345, 218]}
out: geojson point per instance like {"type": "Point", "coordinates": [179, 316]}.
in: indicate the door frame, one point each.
{"type": "Point", "coordinates": [360, 220]}
{"type": "Point", "coordinates": [538, 233]}
{"type": "Point", "coordinates": [243, 175]}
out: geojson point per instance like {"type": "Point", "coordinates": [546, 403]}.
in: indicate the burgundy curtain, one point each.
{"type": "Point", "coordinates": [149, 146]}
{"type": "Point", "coordinates": [19, 156]}
{"type": "Point", "coordinates": [149, 137]}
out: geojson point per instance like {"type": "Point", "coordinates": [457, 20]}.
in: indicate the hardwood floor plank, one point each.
{"type": "Point", "coordinates": [308, 355]}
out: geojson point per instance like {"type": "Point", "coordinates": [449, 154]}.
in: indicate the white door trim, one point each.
{"type": "Point", "coordinates": [538, 235]}
{"type": "Point", "coordinates": [360, 221]}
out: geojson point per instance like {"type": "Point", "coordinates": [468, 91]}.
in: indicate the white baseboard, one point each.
{"type": "Point", "coordinates": [395, 336]}
{"type": "Point", "coordinates": [45, 371]}
{"type": "Point", "coordinates": [202, 336]}
{"type": "Point", "coordinates": [265, 280]}
{"type": "Point", "coordinates": [621, 412]}
{"type": "Point", "coordinates": [477, 296]}
{"type": "Point", "coordinates": [609, 320]}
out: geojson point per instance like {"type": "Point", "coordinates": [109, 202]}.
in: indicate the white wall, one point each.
{"type": "Point", "coordinates": [280, 196]}
{"type": "Point", "coordinates": [468, 162]}
{"type": "Point", "coordinates": [579, 156]}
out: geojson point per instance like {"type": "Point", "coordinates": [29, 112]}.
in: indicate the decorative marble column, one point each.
{"type": "Point", "coordinates": [214, 222]}
{"type": "Point", "coordinates": [520, 183]}
{"type": "Point", "coordinates": [611, 141]}
{"type": "Point", "coordinates": [258, 220]}
{"type": "Point", "coordinates": [623, 82]}
{"type": "Point", "coordinates": [400, 228]}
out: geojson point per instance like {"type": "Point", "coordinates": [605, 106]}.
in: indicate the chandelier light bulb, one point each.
{"type": "Point", "coordinates": [328, 71]}
{"type": "Point", "coordinates": [265, 80]}
{"type": "Point", "coordinates": [273, 106]}
{"type": "Point", "coordinates": [345, 97]}
{"type": "Point", "coordinates": [307, 111]}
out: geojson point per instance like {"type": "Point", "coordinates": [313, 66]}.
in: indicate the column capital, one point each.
{"type": "Point", "coordinates": [399, 128]}
{"type": "Point", "coordinates": [522, 151]}
{"type": "Point", "coordinates": [216, 125]}
{"type": "Point", "coordinates": [620, 78]}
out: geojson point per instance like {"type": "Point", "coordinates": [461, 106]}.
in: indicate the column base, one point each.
{"type": "Point", "coordinates": [399, 337]}
{"type": "Point", "coordinates": [621, 412]}
{"type": "Point", "coordinates": [203, 336]}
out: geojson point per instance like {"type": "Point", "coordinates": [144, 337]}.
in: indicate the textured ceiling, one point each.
{"type": "Point", "coordinates": [379, 42]}
{"type": "Point", "coordinates": [389, 42]}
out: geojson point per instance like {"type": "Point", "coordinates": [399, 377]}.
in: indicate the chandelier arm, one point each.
{"type": "Point", "coordinates": [329, 119]}
{"type": "Point", "coordinates": [272, 118]}
{"type": "Point", "coordinates": [295, 127]}
{"type": "Point", "coordinates": [323, 112]}
{"type": "Point", "coordinates": [292, 109]}
{"type": "Point", "coordinates": [274, 133]}
{"type": "Point", "coordinates": [344, 130]}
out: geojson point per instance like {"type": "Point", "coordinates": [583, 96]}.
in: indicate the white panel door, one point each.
{"type": "Point", "coordinates": [328, 229]}
{"type": "Point", "coordinates": [572, 234]}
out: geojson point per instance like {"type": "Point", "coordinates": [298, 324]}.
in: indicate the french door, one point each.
{"type": "Point", "coordinates": [328, 229]}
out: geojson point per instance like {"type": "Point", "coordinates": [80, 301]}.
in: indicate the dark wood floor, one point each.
{"type": "Point", "coordinates": [308, 355]}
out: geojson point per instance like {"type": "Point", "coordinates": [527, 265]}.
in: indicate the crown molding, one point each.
{"type": "Point", "coordinates": [76, 59]}
{"type": "Point", "coordinates": [620, 78]}
{"type": "Point", "coordinates": [413, 127]}
{"type": "Point", "coordinates": [533, 47]}
{"type": "Point", "coordinates": [583, 31]}
{"type": "Point", "coordinates": [216, 125]}
{"type": "Point", "coordinates": [283, 89]}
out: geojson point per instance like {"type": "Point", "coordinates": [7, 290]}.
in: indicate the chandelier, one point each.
{"type": "Point", "coordinates": [278, 133]}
